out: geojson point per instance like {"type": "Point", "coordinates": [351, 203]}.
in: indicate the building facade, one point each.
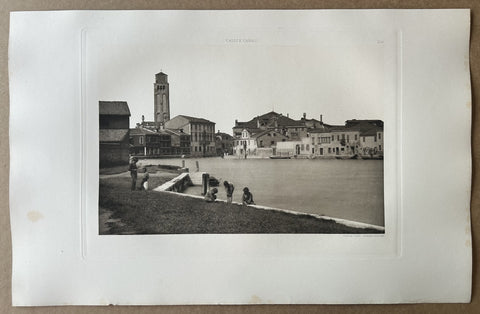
{"type": "Point", "coordinates": [201, 131]}
{"type": "Point", "coordinates": [180, 142]}
{"type": "Point", "coordinates": [145, 142]}
{"type": "Point", "coordinates": [363, 139]}
{"type": "Point", "coordinates": [273, 135]}
{"type": "Point", "coordinates": [294, 129]}
{"type": "Point", "coordinates": [114, 121]}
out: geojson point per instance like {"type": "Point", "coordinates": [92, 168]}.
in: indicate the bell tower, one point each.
{"type": "Point", "coordinates": [161, 99]}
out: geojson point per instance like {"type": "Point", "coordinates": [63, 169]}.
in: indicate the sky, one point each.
{"type": "Point", "coordinates": [222, 81]}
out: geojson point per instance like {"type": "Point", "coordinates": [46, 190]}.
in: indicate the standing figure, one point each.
{"type": "Point", "coordinates": [133, 172]}
{"type": "Point", "coordinates": [247, 198]}
{"type": "Point", "coordinates": [229, 189]}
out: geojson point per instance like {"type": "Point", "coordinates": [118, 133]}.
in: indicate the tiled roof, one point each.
{"type": "Point", "coordinates": [113, 108]}
{"type": "Point", "coordinates": [175, 132]}
{"type": "Point", "coordinates": [353, 122]}
{"type": "Point", "coordinates": [371, 132]}
{"type": "Point", "coordinates": [145, 131]}
{"type": "Point", "coordinates": [270, 118]}
{"type": "Point", "coordinates": [319, 130]}
{"type": "Point", "coordinates": [265, 132]}
{"type": "Point", "coordinates": [112, 135]}
{"type": "Point", "coordinates": [194, 119]}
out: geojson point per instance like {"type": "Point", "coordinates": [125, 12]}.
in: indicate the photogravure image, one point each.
{"type": "Point", "coordinates": [241, 137]}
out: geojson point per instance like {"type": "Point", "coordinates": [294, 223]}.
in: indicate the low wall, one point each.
{"type": "Point", "coordinates": [345, 222]}
{"type": "Point", "coordinates": [177, 184]}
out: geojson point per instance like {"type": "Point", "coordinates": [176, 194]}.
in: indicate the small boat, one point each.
{"type": "Point", "coordinates": [212, 181]}
{"type": "Point", "coordinates": [280, 157]}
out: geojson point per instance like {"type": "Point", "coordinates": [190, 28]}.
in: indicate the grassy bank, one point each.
{"type": "Point", "coordinates": [141, 212]}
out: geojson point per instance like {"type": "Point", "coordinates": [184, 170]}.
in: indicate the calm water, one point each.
{"type": "Point", "coordinates": [349, 189]}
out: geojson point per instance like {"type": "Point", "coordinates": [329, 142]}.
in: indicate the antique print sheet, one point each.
{"type": "Point", "coordinates": [351, 129]}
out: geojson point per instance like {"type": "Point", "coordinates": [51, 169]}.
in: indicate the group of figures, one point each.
{"type": "Point", "coordinates": [247, 198]}
{"type": "Point", "coordinates": [210, 196]}
{"type": "Point", "coordinates": [132, 167]}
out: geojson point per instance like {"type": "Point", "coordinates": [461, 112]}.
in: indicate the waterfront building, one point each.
{"type": "Point", "coordinates": [114, 121]}
{"type": "Point", "coordinates": [201, 131]}
{"type": "Point", "coordinates": [261, 144]}
{"type": "Point", "coordinates": [180, 142]}
{"type": "Point", "coordinates": [275, 134]}
{"type": "Point", "coordinates": [244, 145]}
{"type": "Point", "coordinates": [223, 143]}
{"type": "Point", "coordinates": [145, 142]}
{"type": "Point", "coordinates": [335, 141]}
{"type": "Point", "coordinates": [356, 137]}
{"type": "Point", "coordinates": [372, 142]}
{"type": "Point", "coordinates": [291, 128]}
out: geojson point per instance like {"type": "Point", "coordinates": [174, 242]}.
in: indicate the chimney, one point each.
{"type": "Point", "coordinates": [143, 118]}
{"type": "Point", "coordinates": [304, 115]}
{"type": "Point", "coordinates": [287, 116]}
{"type": "Point", "coordinates": [321, 116]}
{"type": "Point", "coordinates": [236, 122]}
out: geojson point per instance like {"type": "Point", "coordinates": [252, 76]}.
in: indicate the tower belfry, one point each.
{"type": "Point", "coordinates": [161, 98]}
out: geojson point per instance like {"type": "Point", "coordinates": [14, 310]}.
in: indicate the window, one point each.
{"type": "Point", "coordinates": [333, 138]}
{"type": "Point", "coordinates": [303, 147]}
{"type": "Point", "coordinates": [343, 136]}
{"type": "Point", "coordinates": [364, 139]}
{"type": "Point", "coordinates": [261, 143]}
{"type": "Point", "coordinates": [379, 136]}
{"type": "Point", "coordinates": [379, 147]}
{"type": "Point", "coordinates": [348, 138]}
{"type": "Point", "coordinates": [338, 137]}
{"type": "Point", "coordinates": [313, 140]}
{"type": "Point", "coordinates": [355, 137]}
{"type": "Point", "coordinates": [375, 138]}
{"type": "Point", "coordinates": [140, 139]}
{"type": "Point", "coordinates": [195, 148]}
{"type": "Point", "coordinates": [199, 148]}
{"type": "Point", "coordinates": [329, 150]}
{"type": "Point", "coordinates": [321, 151]}
{"type": "Point", "coordinates": [308, 147]}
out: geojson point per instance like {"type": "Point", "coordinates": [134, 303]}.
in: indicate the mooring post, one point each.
{"type": "Point", "coordinates": [198, 166]}
{"type": "Point", "coordinates": [205, 179]}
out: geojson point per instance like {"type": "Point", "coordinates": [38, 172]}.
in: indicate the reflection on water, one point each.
{"type": "Point", "coordinates": [348, 189]}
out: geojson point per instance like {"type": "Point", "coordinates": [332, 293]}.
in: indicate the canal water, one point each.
{"type": "Point", "coordinates": [348, 189]}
